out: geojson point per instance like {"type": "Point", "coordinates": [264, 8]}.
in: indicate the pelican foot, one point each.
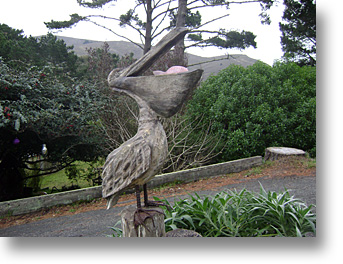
{"type": "Point", "coordinates": [157, 204]}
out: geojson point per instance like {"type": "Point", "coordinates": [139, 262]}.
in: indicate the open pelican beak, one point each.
{"type": "Point", "coordinates": [161, 48]}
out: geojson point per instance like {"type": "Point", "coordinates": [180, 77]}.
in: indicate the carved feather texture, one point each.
{"type": "Point", "coordinates": [125, 165]}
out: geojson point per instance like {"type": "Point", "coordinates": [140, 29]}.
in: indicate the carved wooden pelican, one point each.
{"type": "Point", "coordinates": [138, 160]}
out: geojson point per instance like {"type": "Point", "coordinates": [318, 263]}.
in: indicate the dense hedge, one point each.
{"type": "Point", "coordinates": [260, 106]}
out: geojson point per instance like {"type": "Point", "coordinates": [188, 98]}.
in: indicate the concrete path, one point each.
{"type": "Point", "coordinates": [97, 223]}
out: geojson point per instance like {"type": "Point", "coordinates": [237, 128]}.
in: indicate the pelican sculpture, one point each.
{"type": "Point", "coordinates": [137, 160]}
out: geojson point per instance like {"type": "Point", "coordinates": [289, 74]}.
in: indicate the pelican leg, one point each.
{"type": "Point", "coordinates": [148, 203]}
{"type": "Point", "coordinates": [138, 197]}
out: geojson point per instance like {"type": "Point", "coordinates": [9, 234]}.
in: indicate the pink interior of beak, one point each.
{"type": "Point", "coordinates": [172, 70]}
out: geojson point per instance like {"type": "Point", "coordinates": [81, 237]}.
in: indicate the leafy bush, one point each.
{"type": "Point", "coordinates": [242, 214]}
{"type": "Point", "coordinates": [260, 106]}
{"type": "Point", "coordinates": [39, 106]}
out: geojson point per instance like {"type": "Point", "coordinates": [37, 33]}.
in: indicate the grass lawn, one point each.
{"type": "Point", "coordinates": [60, 179]}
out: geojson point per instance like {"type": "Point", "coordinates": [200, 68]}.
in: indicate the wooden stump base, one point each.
{"type": "Point", "coordinates": [274, 153]}
{"type": "Point", "coordinates": [154, 226]}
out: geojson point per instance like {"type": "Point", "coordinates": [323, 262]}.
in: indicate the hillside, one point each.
{"type": "Point", "coordinates": [213, 65]}
{"type": "Point", "coordinates": [216, 64]}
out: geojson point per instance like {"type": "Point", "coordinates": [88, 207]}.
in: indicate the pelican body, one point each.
{"type": "Point", "coordinates": [137, 160]}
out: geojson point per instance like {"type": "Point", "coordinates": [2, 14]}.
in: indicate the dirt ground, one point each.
{"type": "Point", "coordinates": [290, 166]}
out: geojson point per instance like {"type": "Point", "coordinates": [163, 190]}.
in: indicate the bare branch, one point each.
{"type": "Point", "coordinates": [208, 22]}
{"type": "Point", "coordinates": [50, 170]}
{"type": "Point", "coordinates": [165, 13]}
{"type": "Point", "coordinates": [186, 151]}
{"type": "Point", "coordinates": [199, 63]}
{"type": "Point", "coordinates": [121, 36]}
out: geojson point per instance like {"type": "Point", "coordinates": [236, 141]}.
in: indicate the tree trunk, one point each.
{"type": "Point", "coordinates": [154, 226]}
{"type": "Point", "coordinates": [274, 153]}
{"type": "Point", "coordinates": [181, 22]}
{"type": "Point", "coordinates": [148, 27]}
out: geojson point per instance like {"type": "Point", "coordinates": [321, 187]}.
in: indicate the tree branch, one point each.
{"type": "Point", "coordinates": [199, 63]}
{"type": "Point", "coordinates": [121, 36]}
{"type": "Point", "coordinates": [210, 21]}
{"type": "Point", "coordinates": [56, 169]}
{"type": "Point", "coordinates": [162, 19]}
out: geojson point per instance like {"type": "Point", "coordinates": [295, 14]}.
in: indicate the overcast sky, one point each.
{"type": "Point", "coordinates": [29, 16]}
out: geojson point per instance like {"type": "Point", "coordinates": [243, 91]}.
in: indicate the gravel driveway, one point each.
{"type": "Point", "coordinates": [97, 223]}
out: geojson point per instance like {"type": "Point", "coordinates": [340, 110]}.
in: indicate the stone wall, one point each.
{"type": "Point", "coordinates": [28, 205]}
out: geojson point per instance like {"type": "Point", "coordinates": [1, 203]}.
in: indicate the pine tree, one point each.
{"type": "Point", "coordinates": [298, 38]}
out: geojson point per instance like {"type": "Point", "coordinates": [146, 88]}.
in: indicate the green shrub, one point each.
{"type": "Point", "coordinates": [242, 214]}
{"type": "Point", "coordinates": [260, 106]}
{"type": "Point", "coordinates": [40, 105]}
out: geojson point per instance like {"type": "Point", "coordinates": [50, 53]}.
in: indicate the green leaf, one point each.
{"type": "Point", "coordinates": [297, 231]}
{"type": "Point", "coordinates": [189, 219]}
{"type": "Point", "coordinates": [173, 226]}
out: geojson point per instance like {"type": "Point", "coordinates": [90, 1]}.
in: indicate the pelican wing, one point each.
{"type": "Point", "coordinates": [125, 165]}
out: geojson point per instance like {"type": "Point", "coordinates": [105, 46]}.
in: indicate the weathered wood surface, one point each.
{"type": "Point", "coordinates": [162, 47]}
{"type": "Point", "coordinates": [154, 227]}
{"type": "Point", "coordinates": [165, 94]}
{"type": "Point", "coordinates": [274, 153]}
